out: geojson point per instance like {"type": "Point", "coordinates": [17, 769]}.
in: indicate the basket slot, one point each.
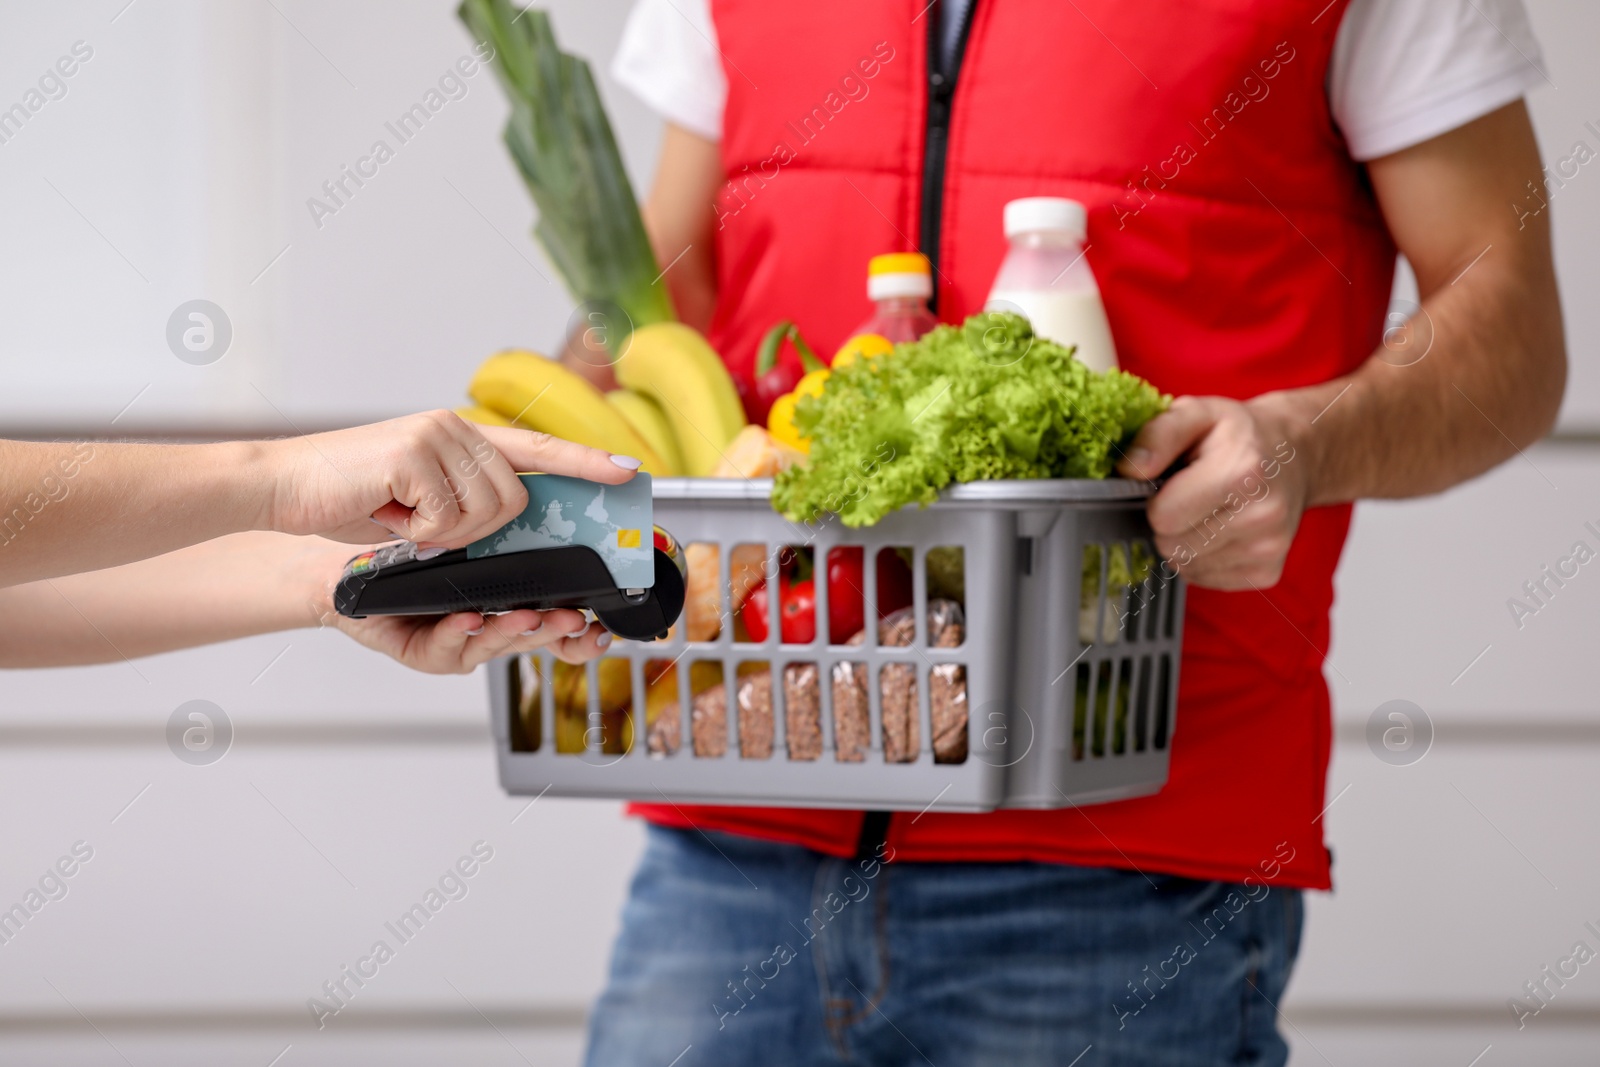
{"type": "Point", "coordinates": [547, 701]}
{"type": "Point", "coordinates": [1156, 595]}
{"type": "Point", "coordinates": [872, 626]}
{"type": "Point", "coordinates": [949, 733]}
{"type": "Point", "coordinates": [713, 729]}
{"type": "Point", "coordinates": [1169, 612]}
{"type": "Point", "coordinates": [1122, 707]}
{"type": "Point", "coordinates": [851, 707]}
{"type": "Point", "coordinates": [1164, 697]}
{"type": "Point", "coordinates": [822, 557]}
{"type": "Point", "coordinates": [755, 722]}
{"type": "Point", "coordinates": [1082, 695]}
{"type": "Point", "coordinates": [1104, 684]}
{"type": "Point", "coordinates": [921, 739]}
{"type": "Point", "coordinates": [901, 702]}
{"type": "Point", "coordinates": [919, 599]}
{"type": "Point", "coordinates": [661, 727]}
{"type": "Point", "coordinates": [1143, 606]}
{"type": "Point", "coordinates": [1141, 706]}
{"type": "Point", "coordinates": [944, 569]}
{"type": "Point", "coordinates": [802, 697]}
{"type": "Point", "coordinates": [1091, 594]}
{"type": "Point", "coordinates": [521, 691]}
{"type": "Point", "coordinates": [775, 562]}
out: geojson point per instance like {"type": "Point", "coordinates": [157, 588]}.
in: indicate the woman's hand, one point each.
{"type": "Point", "coordinates": [433, 478]}
{"type": "Point", "coordinates": [435, 644]}
{"type": "Point", "coordinates": [457, 644]}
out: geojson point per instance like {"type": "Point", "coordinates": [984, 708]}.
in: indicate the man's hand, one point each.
{"type": "Point", "coordinates": [1227, 519]}
{"type": "Point", "coordinates": [1487, 383]}
{"type": "Point", "coordinates": [434, 478]}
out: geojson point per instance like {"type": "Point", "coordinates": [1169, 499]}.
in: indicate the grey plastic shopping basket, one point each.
{"type": "Point", "coordinates": [1070, 694]}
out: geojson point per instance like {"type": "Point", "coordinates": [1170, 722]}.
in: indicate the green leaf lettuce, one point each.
{"type": "Point", "coordinates": [985, 400]}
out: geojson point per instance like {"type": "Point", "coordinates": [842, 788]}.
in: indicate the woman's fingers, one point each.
{"type": "Point", "coordinates": [459, 643]}
{"type": "Point", "coordinates": [526, 450]}
{"type": "Point", "coordinates": [583, 646]}
{"type": "Point", "coordinates": [564, 632]}
{"type": "Point", "coordinates": [491, 474]}
{"type": "Point", "coordinates": [431, 478]}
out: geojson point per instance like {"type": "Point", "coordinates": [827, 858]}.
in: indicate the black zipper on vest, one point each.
{"type": "Point", "coordinates": [936, 137]}
{"type": "Point", "coordinates": [941, 91]}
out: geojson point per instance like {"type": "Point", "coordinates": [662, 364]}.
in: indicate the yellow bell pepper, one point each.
{"type": "Point", "coordinates": [780, 424]}
{"type": "Point", "coordinates": [862, 346]}
{"type": "Point", "coordinates": [780, 418]}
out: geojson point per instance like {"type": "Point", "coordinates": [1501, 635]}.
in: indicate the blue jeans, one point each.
{"type": "Point", "coordinates": [740, 951]}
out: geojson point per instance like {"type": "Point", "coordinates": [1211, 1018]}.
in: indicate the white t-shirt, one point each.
{"type": "Point", "coordinates": [1403, 71]}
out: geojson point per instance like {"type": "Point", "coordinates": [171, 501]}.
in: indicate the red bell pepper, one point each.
{"type": "Point", "coordinates": [778, 369]}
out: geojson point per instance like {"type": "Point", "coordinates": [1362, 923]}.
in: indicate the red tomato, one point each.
{"type": "Point", "coordinates": [754, 612]}
{"type": "Point", "coordinates": [797, 613]}
{"type": "Point", "coordinates": [894, 583]}
{"type": "Point", "coordinates": [847, 609]}
{"type": "Point", "coordinates": [847, 592]}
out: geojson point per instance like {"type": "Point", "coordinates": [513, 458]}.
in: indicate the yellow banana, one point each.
{"type": "Point", "coordinates": [482, 416]}
{"type": "Point", "coordinates": [542, 395]}
{"type": "Point", "coordinates": [674, 366]}
{"type": "Point", "coordinates": [651, 422]}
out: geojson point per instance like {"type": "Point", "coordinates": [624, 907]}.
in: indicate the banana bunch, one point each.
{"type": "Point", "coordinates": [671, 364]}
{"type": "Point", "coordinates": [677, 409]}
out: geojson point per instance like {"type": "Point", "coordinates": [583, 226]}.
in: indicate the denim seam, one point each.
{"type": "Point", "coordinates": [833, 1025]}
{"type": "Point", "coordinates": [836, 1021]}
{"type": "Point", "coordinates": [1247, 1004]}
{"type": "Point", "coordinates": [880, 936]}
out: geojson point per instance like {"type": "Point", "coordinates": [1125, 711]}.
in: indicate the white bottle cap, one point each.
{"type": "Point", "coordinates": [899, 274]}
{"type": "Point", "coordinates": [1049, 213]}
{"type": "Point", "coordinates": [888, 286]}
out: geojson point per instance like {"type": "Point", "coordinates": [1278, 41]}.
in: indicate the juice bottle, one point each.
{"type": "Point", "coordinates": [899, 285]}
{"type": "Point", "coordinates": [1046, 278]}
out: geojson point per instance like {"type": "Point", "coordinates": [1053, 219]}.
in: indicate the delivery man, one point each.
{"type": "Point", "coordinates": [1250, 168]}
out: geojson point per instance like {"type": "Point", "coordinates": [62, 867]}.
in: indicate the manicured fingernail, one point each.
{"type": "Point", "coordinates": [425, 554]}
{"type": "Point", "coordinates": [475, 633]}
{"type": "Point", "coordinates": [530, 631]}
{"type": "Point", "coordinates": [1139, 456]}
{"type": "Point", "coordinates": [580, 631]}
{"type": "Point", "coordinates": [375, 522]}
{"type": "Point", "coordinates": [602, 641]}
{"type": "Point", "coordinates": [627, 463]}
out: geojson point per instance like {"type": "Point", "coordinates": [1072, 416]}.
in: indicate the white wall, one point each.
{"type": "Point", "coordinates": [222, 897]}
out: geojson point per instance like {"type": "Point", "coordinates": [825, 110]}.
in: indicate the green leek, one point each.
{"type": "Point", "coordinates": [558, 134]}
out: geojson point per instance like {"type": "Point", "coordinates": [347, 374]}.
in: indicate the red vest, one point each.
{"type": "Point", "coordinates": [1238, 248]}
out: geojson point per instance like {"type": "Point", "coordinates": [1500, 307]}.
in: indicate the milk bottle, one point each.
{"type": "Point", "coordinates": [1046, 278]}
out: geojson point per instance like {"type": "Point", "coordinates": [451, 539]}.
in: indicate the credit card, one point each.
{"type": "Point", "coordinates": [617, 521]}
